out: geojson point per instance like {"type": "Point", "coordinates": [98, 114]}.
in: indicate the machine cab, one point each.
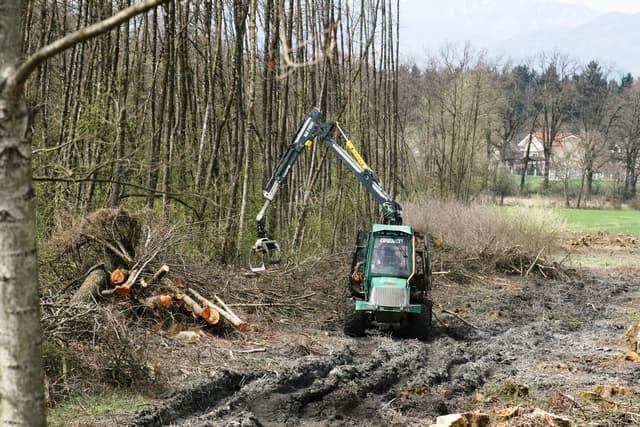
{"type": "Point", "coordinates": [389, 268]}
{"type": "Point", "coordinates": [390, 252]}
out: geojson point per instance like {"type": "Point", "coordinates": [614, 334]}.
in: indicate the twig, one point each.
{"type": "Point", "coordinates": [251, 350]}
{"type": "Point", "coordinates": [442, 322]}
{"type": "Point", "coordinates": [534, 262]}
{"type": "Point", "coordinates": [542, 271]}
{"type": "Point", "coordinates": [157, 276]}
{"type": "Point", "coordinates": [462, 319]}
{"type": "Point", "coordinates": [303, 296]}
{"type": "Point", "coordinates": [262, 305]}
{"type": "Point", "coordinates": [124, 255]}
{"type": "Point", "coordinates": [566, 256]}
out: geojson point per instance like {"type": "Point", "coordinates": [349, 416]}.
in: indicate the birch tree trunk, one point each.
{"type": "Point", "coordinates": [21, 376]}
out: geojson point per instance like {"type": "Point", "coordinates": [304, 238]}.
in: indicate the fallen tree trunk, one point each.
{"type": "Point", "coordinates": [224, 311]}
{"type": "Point", "coordinates": [210, 316]}
{"type": "Point", "coordinates": [91, 286]}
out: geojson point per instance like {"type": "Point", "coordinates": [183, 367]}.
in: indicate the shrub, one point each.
{"type": "Point", "coordinates": [483, 228]}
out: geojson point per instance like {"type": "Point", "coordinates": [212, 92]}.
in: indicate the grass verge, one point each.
{"type": "Point", "coordinates": [108, 403]}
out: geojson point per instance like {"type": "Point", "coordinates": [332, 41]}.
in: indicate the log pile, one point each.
{"type": "Point", "coordinates": [156, 292]}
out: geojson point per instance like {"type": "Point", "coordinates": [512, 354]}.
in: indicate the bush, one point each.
{"type": "Point", "coordinates": [487, 229]}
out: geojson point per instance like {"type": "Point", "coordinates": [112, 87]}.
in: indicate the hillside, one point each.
{"type": "Point", "coordinates": [612, 38]}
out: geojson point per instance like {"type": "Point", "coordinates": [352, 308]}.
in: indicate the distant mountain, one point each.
{"type": "Point", "coordinates": [613, 39]}
{"type": "Point", "coordinates": [426, 25]}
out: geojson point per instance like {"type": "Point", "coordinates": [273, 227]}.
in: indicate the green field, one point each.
{"type": "Point", "coordinates": [613, 221]}
{"type": "Point", "coordinates": [625, 221]}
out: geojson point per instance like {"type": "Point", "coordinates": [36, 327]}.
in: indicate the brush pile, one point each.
{"type": "Point", "coordinates": [476, 239]}
{"type": "Point", "coordinates": [126, 254]}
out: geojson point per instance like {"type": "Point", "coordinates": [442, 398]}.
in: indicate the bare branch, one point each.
{"type": "Point", "coordinates": [24, 70]}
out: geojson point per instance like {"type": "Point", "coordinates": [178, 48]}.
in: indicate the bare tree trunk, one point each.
{"type": "Point", "coordinates": [580, 194]}
{"type": "Point", "coordinates": [21, 375]}
{"type": "Point", "coordinates": [525, 165]}
{"type": "Point", "coordinates": [547, 166]}
{"type": "Point", "coordinates": [589, 183]}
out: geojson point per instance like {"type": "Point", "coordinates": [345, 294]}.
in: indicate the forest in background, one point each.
{"type": "Point", "coordinates": [188, 109]}
{"type": "Point", "coordinates": [465, 113]}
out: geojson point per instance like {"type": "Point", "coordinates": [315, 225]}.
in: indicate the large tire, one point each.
{"type": "Point", "coordinates": [419, 325]}
{"type": "Point", "coordinates": [355, 322]}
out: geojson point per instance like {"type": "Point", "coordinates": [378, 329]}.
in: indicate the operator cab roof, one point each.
{"type": "Point", "coordinates": [406, 229]}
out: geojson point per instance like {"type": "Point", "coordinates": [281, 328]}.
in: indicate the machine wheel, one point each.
{"type": "Point", "coordinates": [419, 325]}
{"type": "Point", "coordinates": [355, 322]}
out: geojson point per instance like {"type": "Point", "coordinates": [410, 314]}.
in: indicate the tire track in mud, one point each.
{"type": "Point", "coordinates": [359, 386]}
{"type": "Point", "coordinates": [343, 388]}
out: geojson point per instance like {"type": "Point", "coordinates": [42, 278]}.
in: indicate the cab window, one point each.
{"type": "Point", "coordinates": [391, 256]}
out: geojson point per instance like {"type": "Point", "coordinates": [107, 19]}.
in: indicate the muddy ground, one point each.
{"type": "Point", "coordinates": [528, 342]}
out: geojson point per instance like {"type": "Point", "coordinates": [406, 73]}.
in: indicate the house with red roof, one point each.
{"type": "Point", "coordinates": [565, 155]}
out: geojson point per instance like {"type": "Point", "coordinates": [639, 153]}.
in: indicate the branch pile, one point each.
{"type": "Point", "coordinates": [126, 253]}
{"type": "Point", "coordinates": [462, 265]}
{"type": "Point", "coordinates": [514, 261]}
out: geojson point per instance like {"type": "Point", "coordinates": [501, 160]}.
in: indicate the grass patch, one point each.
{"type": "Point", "coordinates": [532, 184]}
{"type": "Point", "coordinates": [112, 402]}
{"type": "Point", "coordinates": [634, 317]}
{"type": "Point", "coordinates": [592, 220]}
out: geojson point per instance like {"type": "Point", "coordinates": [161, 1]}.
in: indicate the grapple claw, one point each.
{"type": "Point", "coordinates": [264, 253]}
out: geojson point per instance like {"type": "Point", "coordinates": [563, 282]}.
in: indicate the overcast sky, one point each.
{"type": "Point", "coordinates": [625, 6]}
{"type": "Point", "coordinates": [500, 25]}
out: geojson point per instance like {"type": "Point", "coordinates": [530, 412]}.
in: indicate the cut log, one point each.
{"type": "Point", "coordinates": [210, 312]}
{"type": "Point", "coordinates": [159, 301]}
{"type": "Point", "coordinates": [156, 277]}
{"type": "Point", "coordinates": [240, 324]}
{"type": "Point", "coordinates": [237, 322]}
{"type": "Point", "coordinates": [118, 276]}
{"type": "Point", "coordinates": [125, 288]}
{"type": "Point", "coordinates": [91, 286]}
{"type": "Point", "coordinates": [210, 316]}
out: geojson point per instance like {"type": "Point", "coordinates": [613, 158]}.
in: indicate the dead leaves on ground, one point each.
{"type": "Point", "coordinates": [602, 239]}
{"type": "Point", "coordinates": [533, 415]}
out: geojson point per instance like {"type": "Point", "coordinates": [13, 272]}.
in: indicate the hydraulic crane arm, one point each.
{"type": "Point", "coordinates": [311, 129]}
{"type": "Point", "coordinates": [391, 211]}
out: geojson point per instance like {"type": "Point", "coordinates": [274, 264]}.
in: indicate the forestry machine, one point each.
{"type": "Point", "coordinates": [390, 265]}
